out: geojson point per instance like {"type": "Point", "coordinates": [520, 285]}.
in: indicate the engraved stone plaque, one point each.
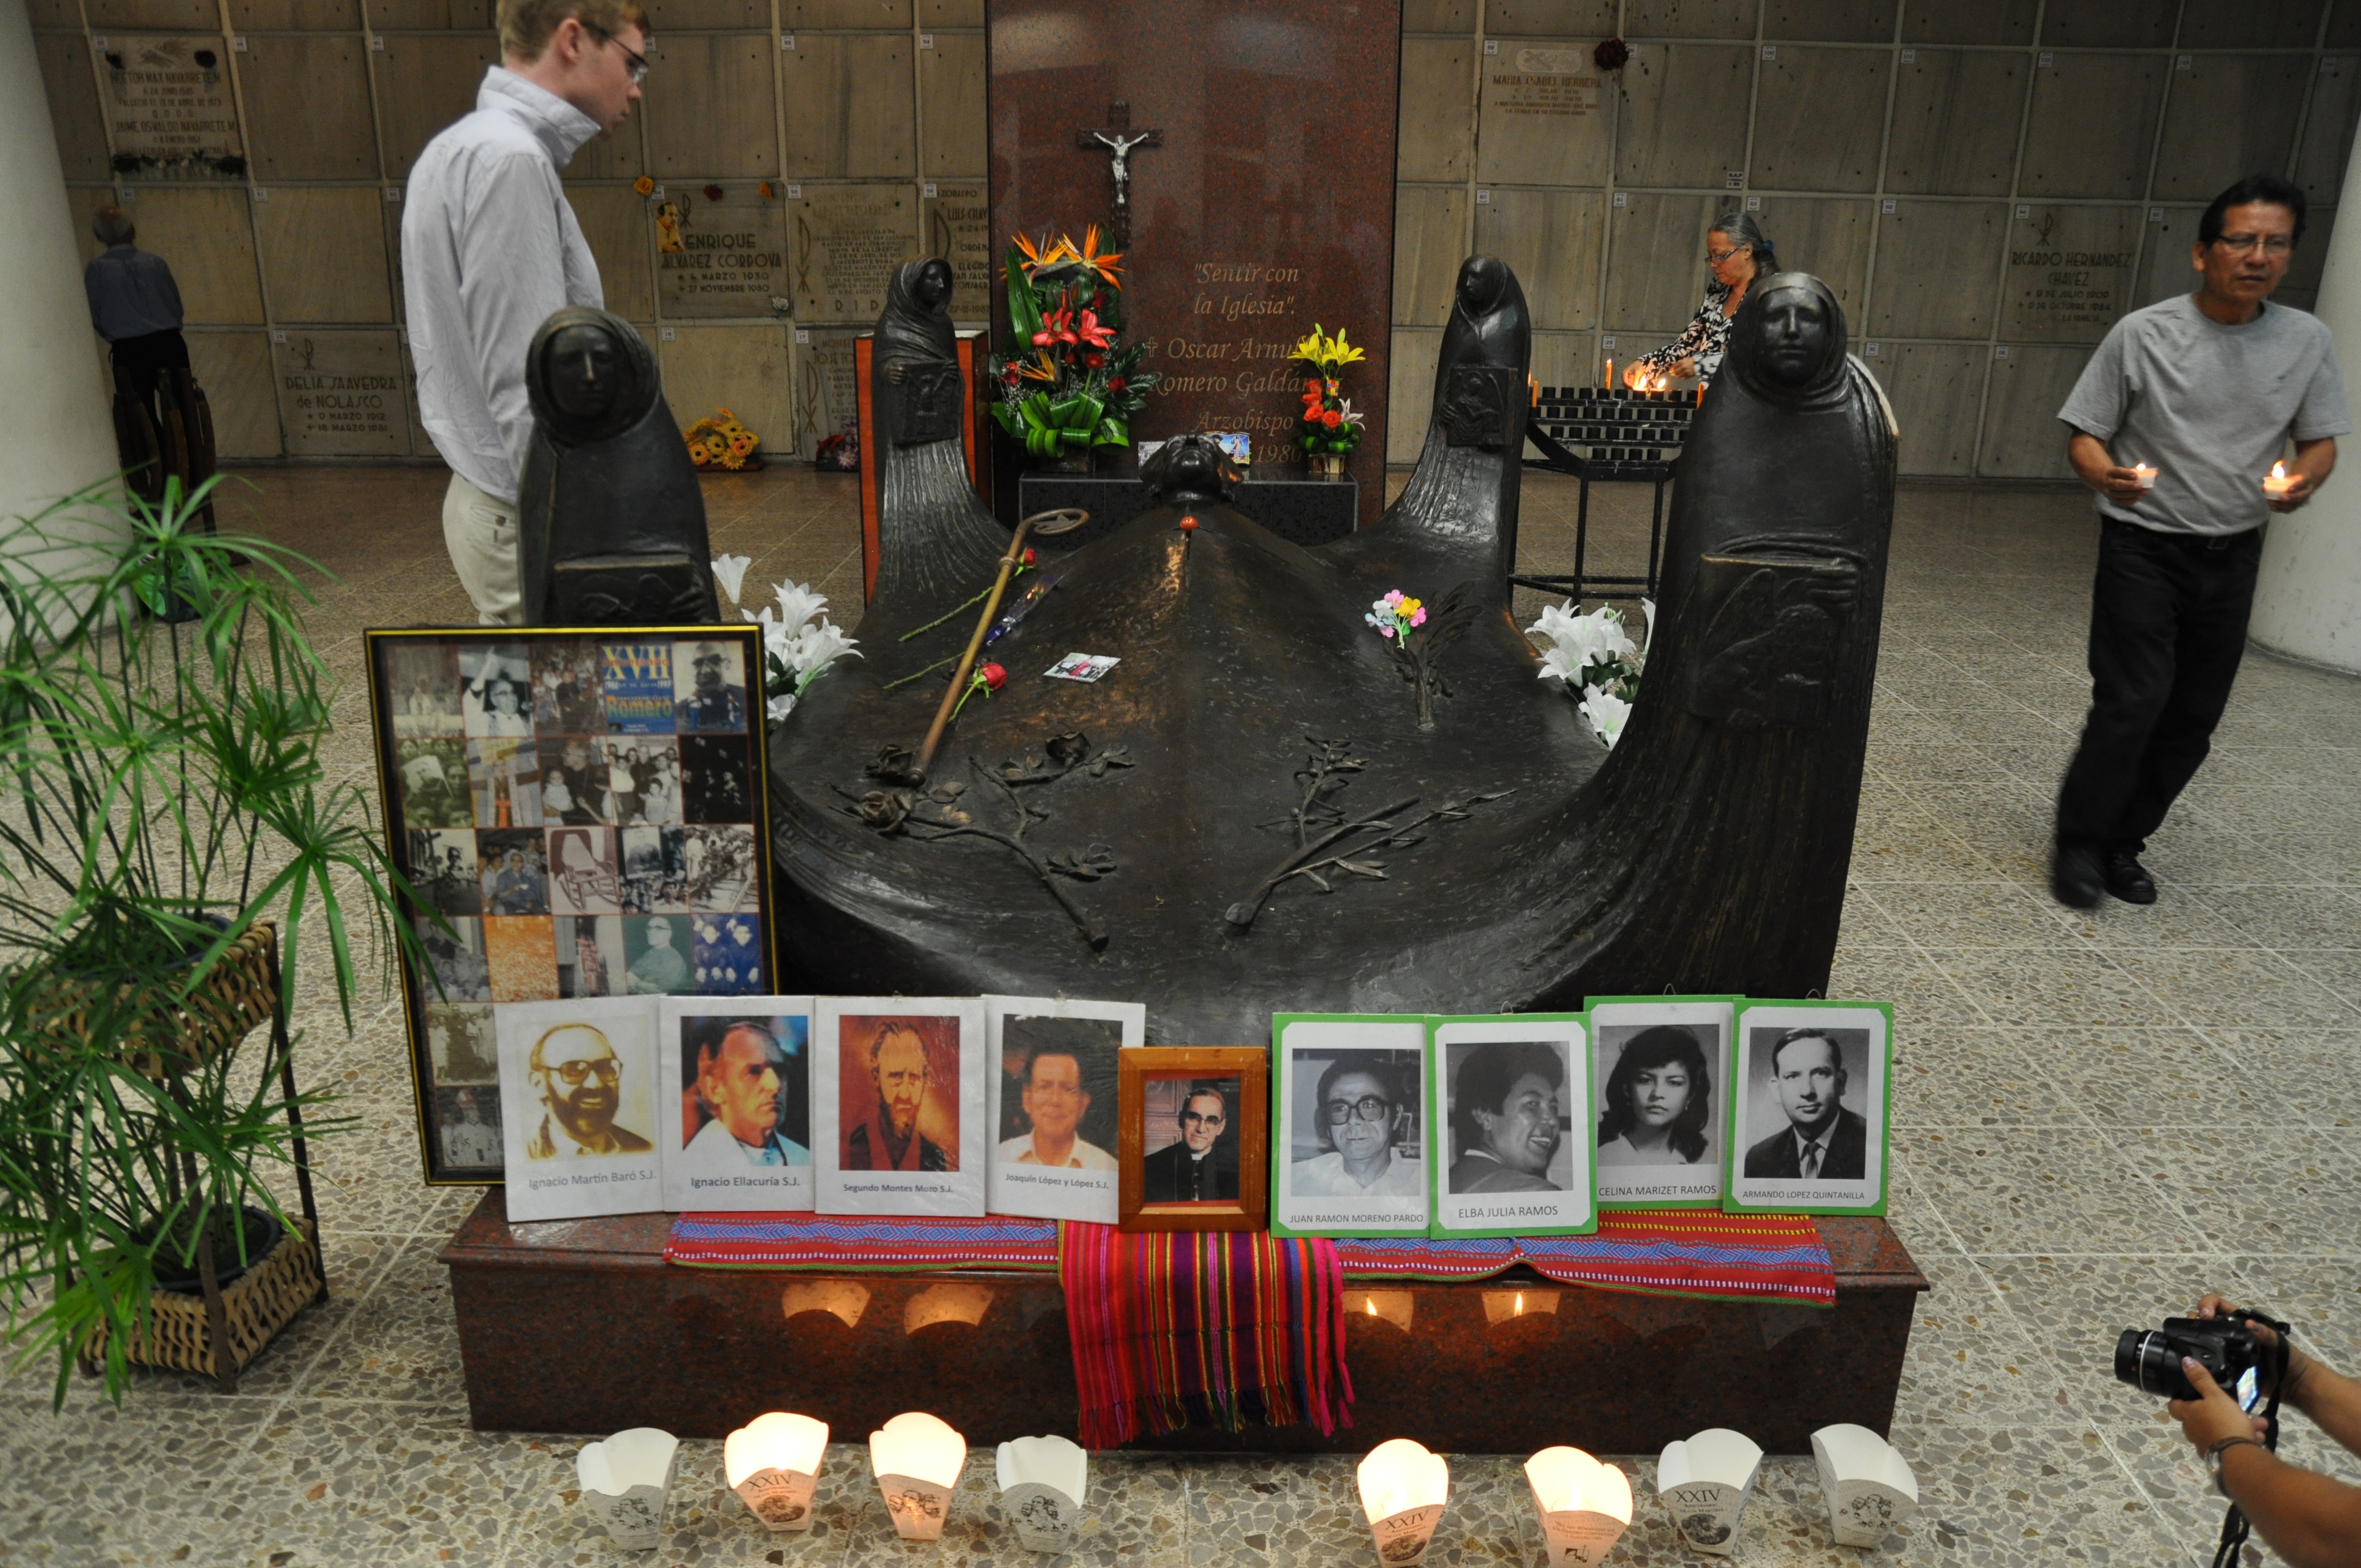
{"type": "Point", "coordinates": [2070, 272]}
{"type": "Point", "coordinates": [341, 393]}
{"type": "Point", "coordinates": [169, 106]}
{"type": "Point", "coordinates": [1541, 119]}
{"type": "Point", "coordinates": [957, 223]}
{"type": "Point", "coordinates": [722, 255]}
{"type": "Point", "coordinates": [827, 394]}
{"type": "Point", "coordinates": [847, 240]}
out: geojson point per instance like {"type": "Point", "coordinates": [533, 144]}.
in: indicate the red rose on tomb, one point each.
{"type": "Point", "coordinates": [1332, 418]}
{"type": "Point", "coordinates": [995, 677]}
{"type": "Point", "coordinates": [1029, 555]}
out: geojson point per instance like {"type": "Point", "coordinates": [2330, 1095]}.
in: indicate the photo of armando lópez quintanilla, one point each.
{"type": "Point", "coordinates": [1809, 1124]}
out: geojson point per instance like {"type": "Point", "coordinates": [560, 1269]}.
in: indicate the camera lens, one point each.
{"type": "Point", "coordinates": [2148, 1362]}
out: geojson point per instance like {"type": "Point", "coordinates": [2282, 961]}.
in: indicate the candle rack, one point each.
{"type": "Point", "coordinates": [1608, 435]}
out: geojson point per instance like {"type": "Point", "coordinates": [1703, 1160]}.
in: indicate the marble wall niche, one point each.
{"type": "Point", "coordinates": [676, 16]}
{"type": "Point", "coordinates": [951, 87]}
{"type": "Point", "coordinates": [307, 106]}
{"type": "Point", "coordinates": [1430, 242]}
{"type": "Point", "coordinates": [1560, 19]}
{"type": "Point", "coordinates": [2070, 272]}
{"type": "Point", "coordinates": [234, 368]}
{"type": "Point", "coordinates": [2229, 114]}
{"type": "Point", "coordinates": [1955, 123]}
{"type": "Point", "coordinates": [1544, 115]}
{"type": "Point", "coordinates": [1681, 118]}
{"type": "Point", "coordinates": [797, 14]}
{"type": "Point", "coordinates": [2249, 24]}
{"type": "Point", "coordinates": [2108, 24]}
{"type": "Point", "coordinates": [424, 82]}
{"type": "Point", "coordinates": [2022, 437]}
{"type": "Point", "coordinates": [202, 235]}
{"type": "Point", "coordinates": [2091, 125]}
{"type": "Point", "coordinates": [324, 253]}
{"type": "Point", "coordinates": [715, 115]}
{"type": "Point", "coordinates": [1551, 240]}
{"type": "Point", "coordinates": [955, 223]}
{"type": "Point", "coordinates": [745, 369]}
{"type": "Point", "coordinates": [720, 250]}
{"type": "Point", "coordinates": [1437, 118]}
{"type": "Point", "coordinates": [1839, 21]}
{"type": "Point", "coordinates": [827, 393]}
{"type": "Point", "coordinates": [1690, 18]}
{"type": "Point", "coordinates": [295, 15]}
{"type": "Point", "coordinates": [614, 219]}
{"type": "Point", "coordinates": [1656, 272]}
{"type": "Point", "coordinates": [64, 61]}
{"type": "Point", "coordinates": [1819, 114]}
{"type": "Point", "coordinates": [1938, 265]}
{"type": "Point", "coordinates": [1935, 388]}
{"type": "Point", "coordinates": [843, 243]}
{"type": "Point", "coordinates": [1987, 22]}
{"type": "Point", "coordinates": [1269, 205]}
{"type": "Point", "coordinates": [849, 103]}
{"type": "Point", "coordinates": [1829, 236]}
{"type": "Point", "coordinates": [341, 394]}
{"type": "Point", "coordinates": [178, 15]}
{"type": "Point", "coordinates": [2328, 127]}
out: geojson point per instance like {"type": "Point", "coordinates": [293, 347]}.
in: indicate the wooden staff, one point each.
{"type": "Point", "coordinates": [1045, 523]}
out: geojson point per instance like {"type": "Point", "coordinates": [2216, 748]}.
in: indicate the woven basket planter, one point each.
{"type": "Point", "coordinates": [263, 1301]}
{"type": "Point", "coordinates": [239, 996]}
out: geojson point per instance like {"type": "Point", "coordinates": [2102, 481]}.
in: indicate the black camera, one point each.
{"type": "Point", "coordinates": [2227, 1347]}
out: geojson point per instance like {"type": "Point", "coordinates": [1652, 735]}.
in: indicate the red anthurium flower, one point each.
{"type": "Point", "coordinates": [993, 677]}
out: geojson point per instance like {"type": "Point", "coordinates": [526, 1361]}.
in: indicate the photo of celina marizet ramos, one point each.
{"type": "Point", "coordinates": [1188, 1140]}
{"type": "Point", "coordinates": [1659, 1105]}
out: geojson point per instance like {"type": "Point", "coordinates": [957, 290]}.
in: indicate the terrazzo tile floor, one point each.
{"type": "Point", "coordinates": [2097, 1116]}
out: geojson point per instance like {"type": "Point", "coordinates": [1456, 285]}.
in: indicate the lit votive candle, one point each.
{"type": "Point", "coordinates": [2277, 481]}
{"type": "Point", "coordinates": [2146, 473]}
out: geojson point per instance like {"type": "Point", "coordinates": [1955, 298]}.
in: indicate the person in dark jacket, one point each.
{"type": "Point", "coordinates": [136, 306]}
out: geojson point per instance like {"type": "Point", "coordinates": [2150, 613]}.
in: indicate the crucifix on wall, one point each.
{"type": "Point", "coordinates": [1119, 141]}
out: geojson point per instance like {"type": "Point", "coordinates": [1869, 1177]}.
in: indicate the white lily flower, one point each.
{"type": "Point", "coordinates": [780, 707]}
{"type": "Point", "coordinates": [1595, 639]}
{"type": "Point", "coordinates": [1605, 713]}
{"type": "Point", "coordinates": [1559, 662]}
{"type": "Point", "coordinates": [798, 604]}
{"type": "Point", "coordinates": [1556, 621]}
{"type": "Point", "coordinates": [729, 571]}
{"type": "Point", "coordinates": [1650, 605]}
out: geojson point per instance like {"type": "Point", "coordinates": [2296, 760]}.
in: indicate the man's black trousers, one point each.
{"type": "Point", "coordinates": [2167, 627]}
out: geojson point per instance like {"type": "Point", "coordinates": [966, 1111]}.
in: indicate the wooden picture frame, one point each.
{"type": "Point", "coordinates": [1247, 1123]}
{"type": "Point", "coordinates": [460, 781]}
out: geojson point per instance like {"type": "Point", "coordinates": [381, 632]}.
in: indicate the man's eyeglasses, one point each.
{"type": "Point", "coordinates": [1368, 1108]}
{"type": "Point", "coordinates": [577, 1073]}
{"type": "Point", "coordinates": [2269, 245]}
{"type": "Point", "coordinates": [638, 61]}
{"type": "Point", "coordinates": [1202, 1120]}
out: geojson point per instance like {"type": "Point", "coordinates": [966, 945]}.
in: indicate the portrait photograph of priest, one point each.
{"type": "Point", "coordinates": [1190, 1141]}
{"type": "Point", "coordinates": [898, 1093]}
{"type": "Point", "coordinates": [1058, 1103]}
{"type": "Point", "coordinates": [744, 1094]}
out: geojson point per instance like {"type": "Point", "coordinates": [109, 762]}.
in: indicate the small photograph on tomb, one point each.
{"type": "Point", "coordinates": [495, 697]}
{"type": "Point", "coordinates": [515, 878]}
{"type": "Point", "coordinates": [720, 865]}
{"type": "Point", "coordinates": [656, 955]}
{"type": "Point", "coordinates": [1349, 1148]}
{"type": "Point", "coordinates": [468, 1121]}
{"type": "Point", "coordinates": [1056, 1094]}
{"type": "Point", "coordinates": [1513, 1151]}
{"type": "Point", "coordinates": [1189, 1132]}
{"type": "Point", "coordinates": [731, 957]}
{"type": "Point", "coordinates": [1662, 1067]}
{"type": "Point", "coordinates": [708, 687]}
{"type": "Point", "coordinates": [522, 959]}
{"type": "Point", "coordinates": [716, 774]}
{"type": "Point", "coordinates": [578, 1082]}
{"type": "Point", "coordinates": [421, 682]}
{"type": "Point", "coordinates": [504, 782]}
{"type": "Point", "coordinates": [897, 1085]}
{"type": "Point", "coordinates": [455, 961]}
{"type": "Point", "coordinates": [565, 695]}
{"type": "Point", "coordinates": [590, 960]}
{"type": "Point", "coordinates": [655, 871]}
{"type": "Point", "coordinates": [582, 875]}
{"type": "Point", "coordinates": [636, 683]}
{"type": "Point", "coordinates": [1809, 1128]}
{"type": "Point", "coordinates": [434, 774]}
{"type": "Point", "coordinates": [742, 1074]}
{"type": "Point", "coordinates": [575, 781]}
{"type": "Point", "coordinates": [642, 780]}
{"type": "Point", "coordinates": [461, 1043]}
{"type": "Point", "coordinates": [443, 868]}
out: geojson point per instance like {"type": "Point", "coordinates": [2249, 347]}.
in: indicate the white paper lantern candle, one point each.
{"type": "Point", "coordinates": [1403, 1488]}
{"type": "Point", "coordinates": [1869, 1490]}
{"type": "Point", "coordinates": [1585, 1506]}
{"type": "Point", "coordinates": [1705, 1482]}
{"type": "Point", "coordinates": [916, 1458]}
{"type": "Point", "coordinates": [625, 1483]}
{"type": "Point", "coordinates": [772, 1462]}
{"type": "Point", "coordinates": [1043, 1481]}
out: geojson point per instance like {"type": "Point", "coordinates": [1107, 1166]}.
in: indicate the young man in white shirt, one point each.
{"type": "Point", "coordinates": [490, 248]}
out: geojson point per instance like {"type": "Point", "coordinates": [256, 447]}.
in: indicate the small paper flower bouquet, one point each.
{"type": "Point", "coordinates": [1596, 659]}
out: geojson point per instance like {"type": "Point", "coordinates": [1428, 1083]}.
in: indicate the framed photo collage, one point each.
{"type": "Point", "coordinates": [584, 816]}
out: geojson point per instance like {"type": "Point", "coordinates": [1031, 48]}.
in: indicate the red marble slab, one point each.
{"type": "Point", "coordinates": [581, 1327]}
{"type": "Point", "coordinates": [1269, 204]}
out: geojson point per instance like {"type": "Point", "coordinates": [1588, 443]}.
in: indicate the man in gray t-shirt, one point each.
{"type": "Point", "coordinates": [2176, 421]}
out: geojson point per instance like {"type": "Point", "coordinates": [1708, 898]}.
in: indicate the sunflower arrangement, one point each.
{"type": "Point", "coordinates": [721, 442]}
{"type": "Point", "coordinates": [1331, 425]}
{"type": "Point", "coordinates": [1069, 387]}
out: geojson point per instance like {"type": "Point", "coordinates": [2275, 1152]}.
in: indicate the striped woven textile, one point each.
{"type": "Point", "coordinates": [1214, 1331]}
{"type": "Point", "coordinates": [1664, 1251]}
{"type": "Point", "coordinates": [877, 1245]}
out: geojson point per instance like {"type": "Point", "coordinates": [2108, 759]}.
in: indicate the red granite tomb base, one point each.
{"type": "Point", "coordinates": [582, 1327]}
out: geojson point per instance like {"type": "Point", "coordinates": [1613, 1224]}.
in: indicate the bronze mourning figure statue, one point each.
{"type": "Point", "coordinates": [1245, 814]}
{"type": "Point", "coordinates": [611, 515]}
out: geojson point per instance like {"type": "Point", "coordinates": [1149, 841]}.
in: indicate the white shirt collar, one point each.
{"type": "Point", "coordinates": [558, 125]}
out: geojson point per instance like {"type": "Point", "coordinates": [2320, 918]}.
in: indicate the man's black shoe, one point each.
{"type": "Point", "coordinates": [2076, 879]}
{"type": "Point", "coordinates": [2127, 879]}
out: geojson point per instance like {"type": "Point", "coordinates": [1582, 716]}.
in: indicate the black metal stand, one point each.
{"type": "Point", "coordinates": [1580, 583]}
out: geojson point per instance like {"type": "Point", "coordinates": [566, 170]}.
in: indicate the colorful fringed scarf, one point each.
{"type": "Point", "coordinates": [1212, 1330]}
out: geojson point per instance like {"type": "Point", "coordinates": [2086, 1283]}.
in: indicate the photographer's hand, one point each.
{"type": "Point", "coordinates": [2212, 1417]}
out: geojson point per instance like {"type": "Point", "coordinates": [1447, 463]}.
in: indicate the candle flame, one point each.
{"type": "Point", "coordinates": [1370, 1305]}
{"type": "Point", "coordinates": [2279, 471]}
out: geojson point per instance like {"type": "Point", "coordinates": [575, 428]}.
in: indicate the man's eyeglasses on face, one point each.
{"type": "Point", "coordinates": [639, 62]}
{"type": "Point", "coordinates": [577, 1073]}
{"type": "Point", "coordinates": [1368, 1108]}
{"type": "Point", "coordinates": [2269, 245]}
{"type": "Point", "coordinates": [1202, 1120]}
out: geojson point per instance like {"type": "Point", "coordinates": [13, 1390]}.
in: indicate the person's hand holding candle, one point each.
{"type": "Point", "coordinates": [2287, 491]}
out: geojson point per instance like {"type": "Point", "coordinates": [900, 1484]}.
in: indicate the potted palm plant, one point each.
{"type": "Point", "coordinates": [170, 838]}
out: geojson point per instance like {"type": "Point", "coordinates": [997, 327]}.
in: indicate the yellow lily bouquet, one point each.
{"type": "Point", "coordinates": [1329, 423]}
